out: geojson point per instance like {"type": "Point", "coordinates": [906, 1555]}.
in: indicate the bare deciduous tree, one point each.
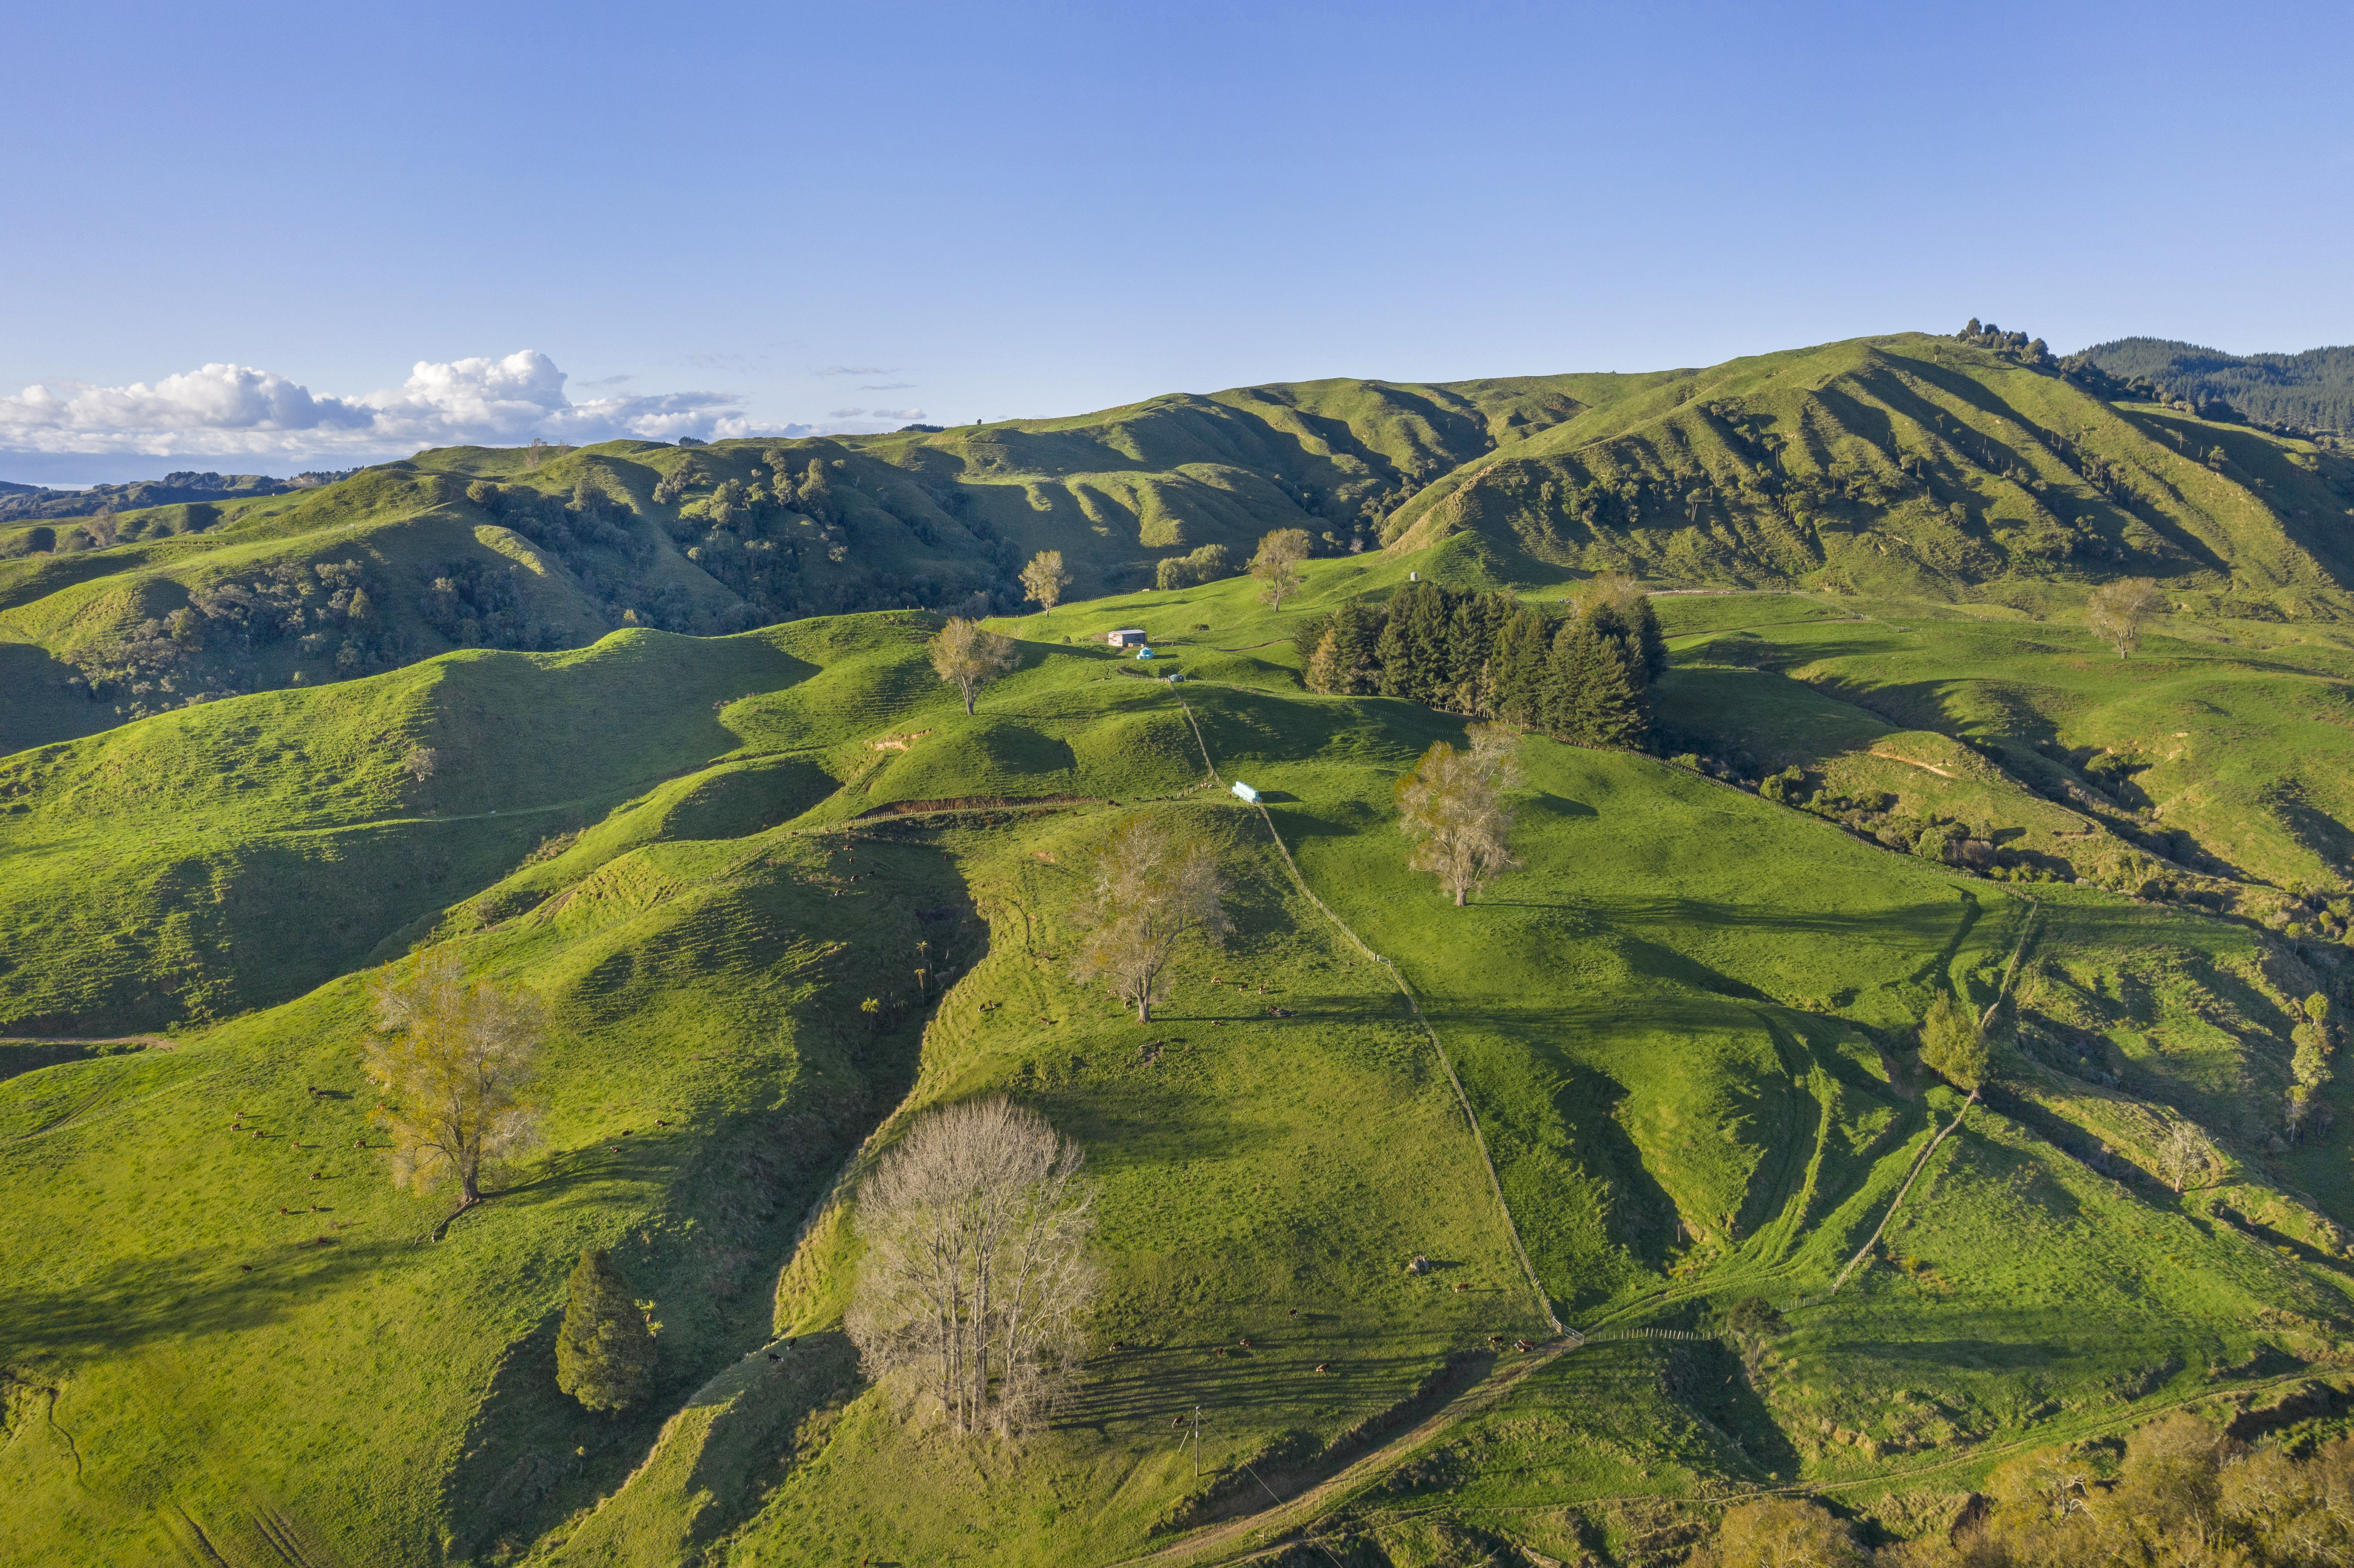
{"type": "Point", "coordinates": [1150, 894]}
{"type": "Point", "coordinates": [420, 762]}
{"type": "Point", "coordinates": [1277, 564]}
{"type": "Point", "coordinates": [1452, 805]}
{"type": "Point", "coordinates": [1045, 578]}
{"type": "Point", "coordinates": [2183, 1155]}
{"type": "Point", "coordinates": [2117, 610]}
{"type": "Point", "coordinates": [968, 658]}
{"type": "Point", "coordinates": [976, 1276]}
{"type": "Point", "coordinates": [453, 1062]}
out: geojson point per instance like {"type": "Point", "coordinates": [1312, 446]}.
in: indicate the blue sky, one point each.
{"type": "Point", "coordinates": [408, 225]}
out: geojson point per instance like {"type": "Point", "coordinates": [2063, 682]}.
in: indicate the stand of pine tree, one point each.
{"type": "Point", "coordinates": [1581, 675]}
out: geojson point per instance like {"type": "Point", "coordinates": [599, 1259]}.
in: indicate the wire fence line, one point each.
{"type": "Point", "coordinates": [1487, 1161]}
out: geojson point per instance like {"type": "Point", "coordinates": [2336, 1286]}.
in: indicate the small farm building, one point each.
{"type": "Point", "coordinates": [1245, 791]}
{"type": "Point", "coordinates": [1126, 637]}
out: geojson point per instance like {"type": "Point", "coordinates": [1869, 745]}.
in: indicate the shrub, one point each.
{"type": "Point", "coordinates": [605, 1352]}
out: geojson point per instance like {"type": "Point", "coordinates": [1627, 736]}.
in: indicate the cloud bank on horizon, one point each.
{"type": "Point", "coordinates": [233, 410]}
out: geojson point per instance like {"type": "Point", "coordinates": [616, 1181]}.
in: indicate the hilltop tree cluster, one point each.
{"type": "Point", "coordinates": [2180, 1492]}
{"type": "Point", "coordinates": [1582, 674]}
{"type": "Point", "coordinates": [2014, 344]}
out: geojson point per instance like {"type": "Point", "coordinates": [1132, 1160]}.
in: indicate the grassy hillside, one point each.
{"type": "Point", "coordinates": [1903, 464]}
{"type": "Point", "coordinates": [1683, 1026]}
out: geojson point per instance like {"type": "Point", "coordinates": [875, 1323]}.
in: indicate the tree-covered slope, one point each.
{"type": "Point", "coordinates": [2315, 388]}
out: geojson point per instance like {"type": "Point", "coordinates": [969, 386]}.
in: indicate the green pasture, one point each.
{"type": "Point", "coordinates": [1682, 1024]}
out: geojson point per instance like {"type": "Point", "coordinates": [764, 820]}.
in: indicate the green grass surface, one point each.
{"type": "Point", "coordinates": [1682, 1024]}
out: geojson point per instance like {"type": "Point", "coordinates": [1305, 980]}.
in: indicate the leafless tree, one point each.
{"type": "Point", "coordinates": [1152, 892]}
{"type": "Point", "coordinates": [2117, 610]}
{"type": "Point", "coordinates": [452, 1061]}
{"type": "Point", "coordinates": [2183, 1155]}
{"type": "Point", "coordinates": [976, 1277]}
{"type": "Point", "coordinates": [968, 658]}
{"type": "Point", "coordinates": [1277, 564]}
{"type": "Point", "coordinates": [420, 762]}
{"type": "Point", "coordinates": [1045, 578]}
{"type": "Point", "coordinates": [1452, 805]}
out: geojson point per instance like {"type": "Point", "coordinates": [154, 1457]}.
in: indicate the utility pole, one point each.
{"type": "Point", "coordinates": [1197, 1441]}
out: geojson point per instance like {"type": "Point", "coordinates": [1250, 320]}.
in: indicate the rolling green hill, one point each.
{"type": "Point", "coordinates": [1908, 465]}
{"type": "Point", "coordinates": [1903, 465]}
{"type": "Point", "coordinates": [782, 894]}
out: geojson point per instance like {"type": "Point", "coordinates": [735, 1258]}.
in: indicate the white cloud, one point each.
{"type": "Point", "coordinates": [859, 370]}
{"type": "Point", "coordinates": [232, 410]}
{"type": "Point", "coordinates": [888, 387]}
{"type": "Point", "coordinates": [871, 414]}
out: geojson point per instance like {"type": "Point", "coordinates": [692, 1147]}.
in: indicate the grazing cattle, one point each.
{"type": "Point", "coordinates": [1522, 1346]}
{"type": "Point", "coordinates": [282, 1210]}
{"type": "Point", "coordinates": [1246, 1344]}
{"type": "Point", "coordinates": [1460, 1287]}
{"type": "Point", "coordinates": [774, 1357]}
{"type": "Point", "coordinates": [1120, 1344]}
{"type": "Point", "coordinates": [1324, 1366]}
{"type": "Point", "coordinates": [1179, 1422]}
{"type": "Point", "coordinates": [245, 1268]}
{"type": "Point", "coordinates": [1294, 1311]}
{"type": "Point", "coordinates": [1222, 1352]}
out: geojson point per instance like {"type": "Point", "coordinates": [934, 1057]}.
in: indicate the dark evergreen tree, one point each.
{"type": "Point", "coordinates": [1521, 664]}
{"type": "Point", "coordinates": [1592, 695]}
{"type": "Point", "coordinates": [605, 1352]}
{"type": "Point", "coordinates": [1632, 622]}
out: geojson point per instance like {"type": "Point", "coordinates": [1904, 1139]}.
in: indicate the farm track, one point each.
{"type": "Point", "coordinates": [1358, 1474]}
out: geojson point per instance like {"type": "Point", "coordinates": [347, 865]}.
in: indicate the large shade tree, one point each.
{"type": "Point", "coordinates": [1045, 578]}
{"type": "Point", "coordinates": [2116, 613]}
{"type": "Point", "coordinates": [1277, 564]}
{"type": "Point", "coordinates": [1452, 806]}
{"type": "Point", "coordinates": [452, 1061]}
{"type": "Point", "coordinates": [976, 1277]}
{"type": "Point", "coordinates": [1152, 893]}
{"type": "Point", "coordinates": [969, 657]}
